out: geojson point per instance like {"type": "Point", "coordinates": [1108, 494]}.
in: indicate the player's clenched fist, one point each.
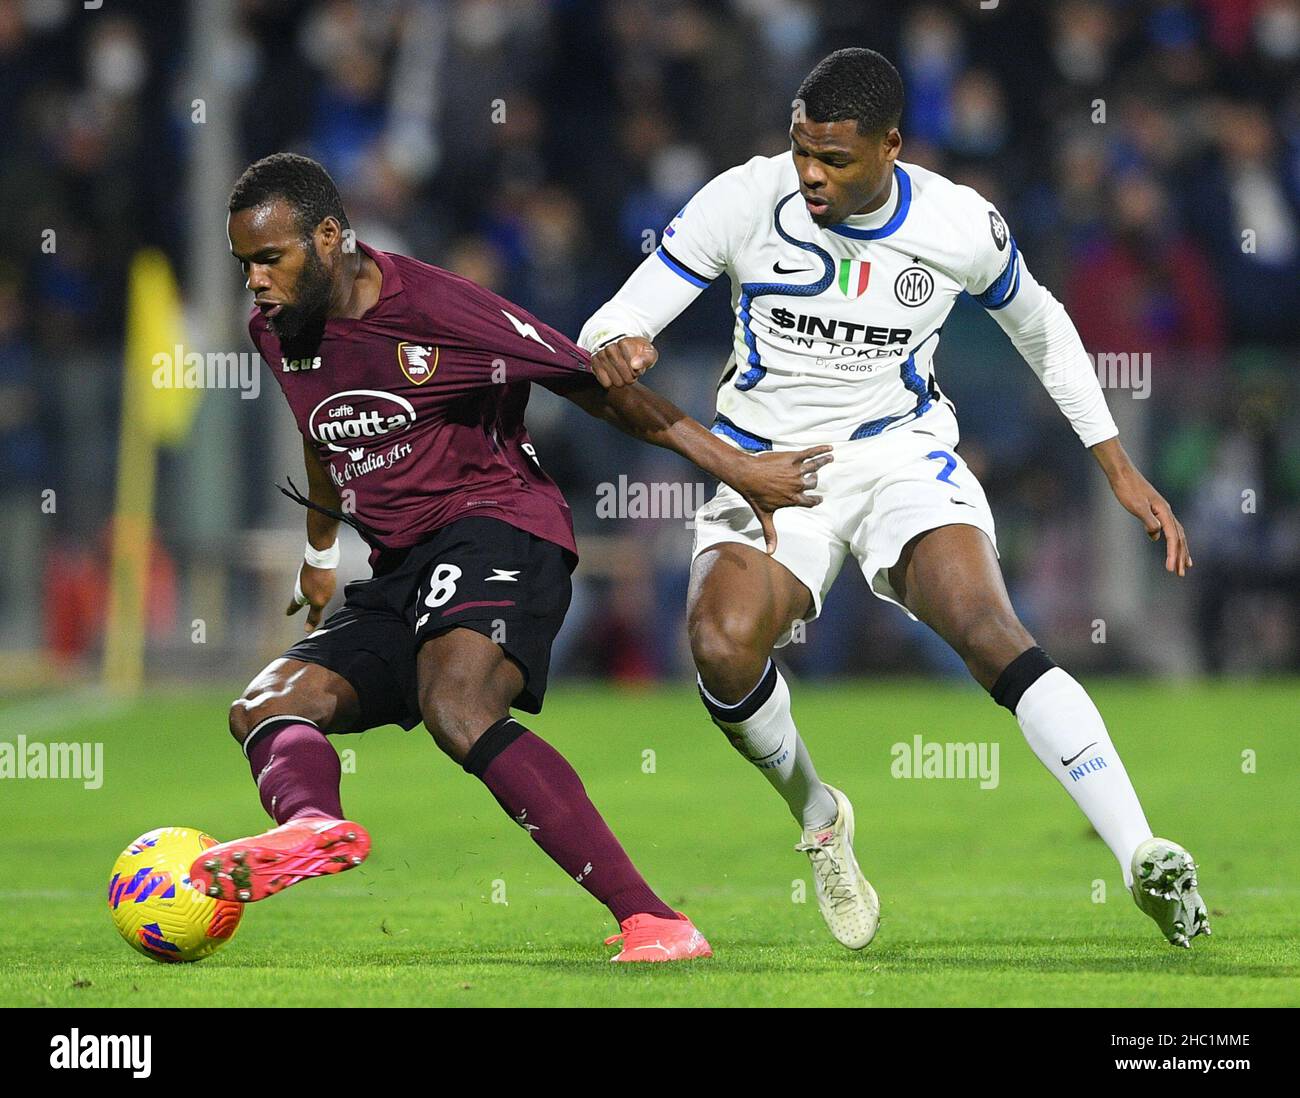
{"type": "Point", "coordinates": [622, 362]}
{"type": "Point", "coordinates": [313, 588]}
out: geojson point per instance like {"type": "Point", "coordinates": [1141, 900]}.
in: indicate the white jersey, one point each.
{"type": "Point", "coordinates": [836, 328]}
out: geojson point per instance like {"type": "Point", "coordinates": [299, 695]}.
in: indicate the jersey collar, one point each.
{"type": "Point", "coordinates": [390, 285]}
{"type": "Point", "coordinates": [903, 187]}
{"type": "Point", "coordinates": [390, 280]}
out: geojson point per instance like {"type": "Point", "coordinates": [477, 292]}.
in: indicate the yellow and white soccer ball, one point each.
{"type": "Point", "coordinates": [155, 908]}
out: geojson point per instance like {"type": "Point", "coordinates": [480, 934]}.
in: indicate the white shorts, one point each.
{"type": "Point", "coordinates": [877, 495]}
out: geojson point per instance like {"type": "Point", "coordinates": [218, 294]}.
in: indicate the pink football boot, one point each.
{"type": "Point", "coordinates": [261, 865]}
{"type": "Point", "coordinates": [650, 938]}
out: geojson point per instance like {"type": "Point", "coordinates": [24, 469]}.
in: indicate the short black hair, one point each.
{"type": "Point", "coordinates": [299, 180]}
{"type": "Point", "coordinates": [856, 85]}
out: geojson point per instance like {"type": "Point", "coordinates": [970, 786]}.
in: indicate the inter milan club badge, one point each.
{"type": "Point", "coordinates": [914, 286]}
{"type": "Point", "coordinates": [418, 361]}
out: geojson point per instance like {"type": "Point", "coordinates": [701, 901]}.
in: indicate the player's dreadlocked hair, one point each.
{"type": "Point", "coordinates": [854, 85]}
{"type": "Point", "coordinates": [299, 180]}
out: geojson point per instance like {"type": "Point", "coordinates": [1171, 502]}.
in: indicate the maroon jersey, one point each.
{"type": "Point", "coordinates": [417, 407]}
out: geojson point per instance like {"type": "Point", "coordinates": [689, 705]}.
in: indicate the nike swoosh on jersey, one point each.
{"type": "Point", "coordinates": [789, 270]}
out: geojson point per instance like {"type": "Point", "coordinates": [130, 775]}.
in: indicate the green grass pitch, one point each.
{"type": "Point", "coordinates": [988, 895]}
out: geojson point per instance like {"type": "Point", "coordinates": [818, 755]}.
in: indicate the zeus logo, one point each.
{"type": "Point", "coordinates": [528, 331]}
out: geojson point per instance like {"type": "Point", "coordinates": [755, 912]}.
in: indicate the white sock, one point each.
{"type": "Point", "coordinates": [767, 737]}
{"type": "Point", "coordinates": [1069, 737]}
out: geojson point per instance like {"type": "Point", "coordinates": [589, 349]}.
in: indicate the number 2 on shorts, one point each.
{"type": "Point", "coordinates": [949, 464]}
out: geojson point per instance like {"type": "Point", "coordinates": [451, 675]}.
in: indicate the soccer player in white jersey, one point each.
{"type": "Point", "coordinates": [844, 263]}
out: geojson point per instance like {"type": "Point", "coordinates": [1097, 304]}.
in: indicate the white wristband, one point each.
{"type": "Point", "coordinates": [322, 558]}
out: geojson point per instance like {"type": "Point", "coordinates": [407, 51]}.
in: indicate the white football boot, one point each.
{"type": "Point", "coordinates": [1164, 886]}
{"type": "Point", "coordinates": [848, 902]}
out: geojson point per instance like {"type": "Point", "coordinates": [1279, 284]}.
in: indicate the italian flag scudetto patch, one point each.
{"type": "Point", "coordinates": [853, 276]}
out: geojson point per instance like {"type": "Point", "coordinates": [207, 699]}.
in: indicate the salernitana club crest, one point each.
{"type": "Point", "coordinates": [418, 361]}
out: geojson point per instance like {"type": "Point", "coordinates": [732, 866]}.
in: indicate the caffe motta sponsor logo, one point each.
{"type": "Point", "coordinates": [349, 420]}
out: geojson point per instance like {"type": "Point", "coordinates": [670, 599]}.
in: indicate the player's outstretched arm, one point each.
{"type": "Point", "coordinates": [1045, 336]}
{"type": "Point", "coordinates": [315, 585]}
{"type": "Point", "coordinates": [766, 481]}
{"type": "Point", "coordinates": [1047, 339]}
{"type": "Point", "coordinates": [1140, 498]}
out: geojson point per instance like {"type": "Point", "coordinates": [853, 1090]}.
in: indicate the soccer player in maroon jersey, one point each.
{"type": "Point", "coordinates": [408, 384]}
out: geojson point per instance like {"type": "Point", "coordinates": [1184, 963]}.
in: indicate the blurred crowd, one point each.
{"type": "Point", "coordinates": [1146, 155]}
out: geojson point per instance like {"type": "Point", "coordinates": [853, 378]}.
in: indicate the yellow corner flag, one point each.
{"type": "Point", "coordinates": [155, 331]}
{"type": "Point", "coordinates": [156, 408]}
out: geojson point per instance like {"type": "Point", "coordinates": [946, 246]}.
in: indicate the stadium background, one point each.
{"type": "Point", "coordinates": [614, 113]}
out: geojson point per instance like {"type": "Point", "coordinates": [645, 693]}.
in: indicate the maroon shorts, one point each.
{"type": "Point", "coordinates": [476, 573]}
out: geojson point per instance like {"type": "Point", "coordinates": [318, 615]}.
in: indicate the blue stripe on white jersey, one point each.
{"type": "Point", "coordinates": [892, 225]}
{"type": "Point", "coordinates": [750, 290]}
{"type": "Point", "coordinates": [1006, 285]}
{"type": "Point", "coordinates": [748, 441]}
{"type": "Point", "coordinates": [679, 268]}
{"type": "Point", "coordinates": [914, 383]}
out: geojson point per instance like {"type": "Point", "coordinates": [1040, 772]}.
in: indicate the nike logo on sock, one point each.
{"type": "Point", "coordinates": [1066, 762]}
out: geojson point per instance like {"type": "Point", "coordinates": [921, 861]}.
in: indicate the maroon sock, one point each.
{"type": "Point", "coordinates": [296, 770]}
{"type": "Point", "coordinates": [542, 793]}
